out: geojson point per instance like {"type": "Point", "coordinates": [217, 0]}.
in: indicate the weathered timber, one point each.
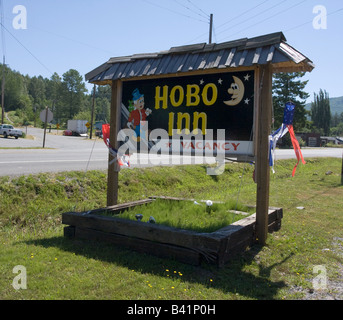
{"type": "Point", "coordinates": [69, 232]}
{"type": "Point", "coordinates": [118, 208]}
{"type": "Point", "coordinates": [113, 166]}
{"type": "Point", "coordinates": [143, 246]}
{"type": "Point", "coordinates": [183, 245]}
{"type": "Point", "coordinates": [262, 168]}
{"type": "Point", "coordinates": [144, 230]}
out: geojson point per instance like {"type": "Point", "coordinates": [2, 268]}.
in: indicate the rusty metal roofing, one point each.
{"type": "Point", "coordinates": [271, 48]}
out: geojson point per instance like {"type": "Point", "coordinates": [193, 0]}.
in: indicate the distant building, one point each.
{"type": "Point", "coordinates": [311, 139]}
{"type": "Point", "coordinates": [333, 140]}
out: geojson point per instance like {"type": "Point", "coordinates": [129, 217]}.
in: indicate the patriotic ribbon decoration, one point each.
{"type": "Point", "coordinates": [287, 126]}
{"type": "Point", "coordinates": [121, 158]}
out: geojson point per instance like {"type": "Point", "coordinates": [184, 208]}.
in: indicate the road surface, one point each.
{"type": "Point", "coordinates": [65, 153]}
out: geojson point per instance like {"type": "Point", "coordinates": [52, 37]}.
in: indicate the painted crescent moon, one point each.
{"type": "Point", "coordinates": [237, 92]}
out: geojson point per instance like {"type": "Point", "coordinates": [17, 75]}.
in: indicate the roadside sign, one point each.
{"type": "Point", "coordinates": [50, 116]}
{"type": "Point", "coordinates": [88, 124]}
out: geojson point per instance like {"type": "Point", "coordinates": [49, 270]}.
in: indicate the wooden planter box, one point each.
{"type": "Point", "coordinates": [183, 245]}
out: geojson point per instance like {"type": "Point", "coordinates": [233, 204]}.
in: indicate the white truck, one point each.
{"type": "Point", "coordinates": [8, 130]}
{"type": "Point", "coordinates": [77, 127]}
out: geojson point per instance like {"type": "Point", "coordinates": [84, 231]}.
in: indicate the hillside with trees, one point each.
{"type": "Point", "coordinates": [336, 122]}
{"type": "Point", "coordinates": [65, 95]}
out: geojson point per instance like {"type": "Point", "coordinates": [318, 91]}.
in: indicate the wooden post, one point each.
{"type": "Point", "coordinates": [92, 115]}
{"type": "Point", "coordinates": [262, 153]}
{"type": "Point", "coordinates": [45, 124]}
{"type": "Point", "coordinates": [3, 92]}
{"type": "Point", "coordinates": [113, 167]}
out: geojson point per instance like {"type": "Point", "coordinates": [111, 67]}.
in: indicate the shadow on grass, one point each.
{"type": "Point", "coordinates": [235, 278]}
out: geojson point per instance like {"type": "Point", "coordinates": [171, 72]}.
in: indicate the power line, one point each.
{"type": "Point", "coordinates": [206, 14]}
{"type": "Point", "coordinates": [256, 15]}
{"type": "Point", "coordinates": [239, 16]}
{"type": "Point", "coordinates": [175, 12]}
{"type": "Point", "coordinates": [242, 14]}
{"type": "Point", "coordinates": [68, 38]}
{"type": "Point", "coordinates": [311, 21]}
{"type": "Point", "coordinates": [191, 10]}
{"type": "Point", "coordinates": [72, 40]}
{"type": "Point", "coordinates": [273, 16]}
{"type": "Point", "coordinates": [2, 29]}
{"type": "Point", "coordinates": [214, 34]}
{"type": "Point", "coordinates": [26, 49]}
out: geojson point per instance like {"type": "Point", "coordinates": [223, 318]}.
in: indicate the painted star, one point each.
{"type": "Point", "coordinates": [247, 77]}
{"type": "Point", "coordinates": [246, 101]}
{"type": "Point", "coordinates": [220, 81]}
{"type": "Point", "coordinates": [202, 81]}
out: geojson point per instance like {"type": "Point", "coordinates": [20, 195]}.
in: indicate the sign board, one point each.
{"type": "Point", "coordinates": [50, 116]}
{"type": "Point", "coordinates": [200, 114]}
{"type": "Point", "coordinates": [87, 124]}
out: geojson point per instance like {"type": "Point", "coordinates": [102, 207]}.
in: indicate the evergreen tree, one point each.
{"type": "Point", "coordinates": [290, 87]}
{"type": "Point", "coordinates": [16, 95]}
{"type": "Point", "coordinates": [72, 93]}
{"type": "Point", "coordinates": [66, 96]}
{"type": "Point", "coordinates": [53, 95]}
{"type": "Point", "coordinates": [321, 112]}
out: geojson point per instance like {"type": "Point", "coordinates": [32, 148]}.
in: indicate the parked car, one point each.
{"type": "Point", "coordinates": [8, 130]}
{"type": "Point", "coordinates": [67, 133]}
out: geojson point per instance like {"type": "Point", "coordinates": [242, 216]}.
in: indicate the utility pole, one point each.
{"type": "Point", "coordinates": [3, 63]}
{"type": "Point", "coordinates": [3, 92]}
{"type": "Point", "coordinates": [92, 115]}
{"type": "Point", "coordinates": [45, 124]}
{"type": "Point", "coordinates": [211, 27]}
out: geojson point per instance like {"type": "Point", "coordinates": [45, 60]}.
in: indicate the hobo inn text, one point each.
{"type": "Point", "coordinates": [192, 103]}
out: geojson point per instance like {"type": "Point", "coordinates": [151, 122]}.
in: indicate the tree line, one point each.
{"type": "Point", "coordinates": [68, 98]}
{"type": "Point", "coordinates": [65, 95]}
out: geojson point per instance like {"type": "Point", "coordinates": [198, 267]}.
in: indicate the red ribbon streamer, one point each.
{"type": "Point", "coordinates": [296, 147]}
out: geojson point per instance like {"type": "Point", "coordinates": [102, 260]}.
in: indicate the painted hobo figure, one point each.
{"type": "Point", "coordinates": [138, 114]}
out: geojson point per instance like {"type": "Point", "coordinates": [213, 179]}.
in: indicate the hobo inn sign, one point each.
{"type": "Point", "coordinates": [221, 94]}
{"type": "Point", "coordinates": [212, 91]}
{"type": "Point", "coordinates": [194, 106]}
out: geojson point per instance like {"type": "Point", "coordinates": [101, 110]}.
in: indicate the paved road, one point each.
{"type": "Point", "coordinates": [310, 153]}
{"type": "Point", "coordinates": [63, 153]}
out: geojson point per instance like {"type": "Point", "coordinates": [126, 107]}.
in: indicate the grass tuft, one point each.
{"type": "Point", "coordinates": [190, 215]}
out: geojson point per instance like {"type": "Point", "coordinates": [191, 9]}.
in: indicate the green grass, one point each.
{"type": "Point", "coordinates": [31, 234]}
{"type": "Point", "coordinates": [189, 215]}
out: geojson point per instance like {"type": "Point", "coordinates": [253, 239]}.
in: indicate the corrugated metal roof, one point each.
{"type": "Point", "coordinates": [271, 48]}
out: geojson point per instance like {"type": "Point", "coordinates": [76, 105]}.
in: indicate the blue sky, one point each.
{"type": "Point", "coordinates": [82, 34]}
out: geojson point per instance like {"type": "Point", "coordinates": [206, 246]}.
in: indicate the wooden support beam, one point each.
{"type": "Point", "coordinates": [113, 167]}
{"type": "Point", "coordinates": [262, 153]}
